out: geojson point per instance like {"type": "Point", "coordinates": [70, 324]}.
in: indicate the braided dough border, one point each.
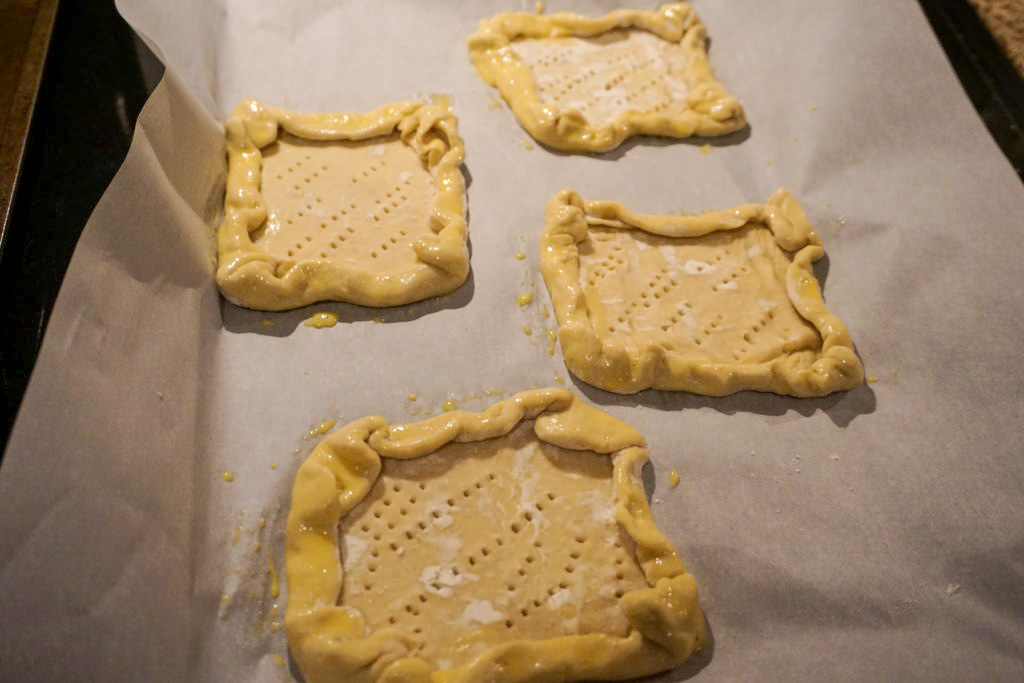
{"type": "Point", "coordinates": [615, 367]}
{"type": "Point", "coordinates": [331, 643]}
{"type": "Point", "coordinates": [250, 276]}
{"type": "Point", "coordinates": [712, 110]}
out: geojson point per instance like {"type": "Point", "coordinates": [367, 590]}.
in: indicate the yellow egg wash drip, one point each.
{"type": "Point", "coordinates": [704, 149]}
{"type": "Point", "coordinates": [267, 323]}
{"type": "Point", "coordinates": [443, 101]}
{"type": "Point", "coordinates": [673, 479]}
{"type": "Point", "coordinates": [449, 405]}
{"type": "Point", "coordinates": [323, 428]}
{"type": "Point", "coordinates": [237, 536]}
{"type": "Point", "coordinates": [872, 379]}
{"type": "Point", "coordinates": [229, 476]}
{"type": "Point", "coordinates": [275, 576]}
{"type": "Point", "coordinates": [527, 145]}
{"type": "Point", "coordinates": [525, 299]}
{"type": "Point", "coordinates": [527, 330]}
{"type": "Point", "coordinates": [413, 397]}
{"type": "Point", "coordinates": [520, 255]}
{"type": "Point", "coordinates": [322, 319]}
{"type": "Point", "coordinates": [539, 7]}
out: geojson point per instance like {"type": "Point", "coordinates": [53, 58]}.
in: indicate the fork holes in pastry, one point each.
{"type": "Point", "coordinates": [515, 527]}
{"type": "Point", "coordinates": [508, 623]}
{"type": "Point", "coordinates": [472, 561]}
{"type": "Point", "coordinates": [323, 254]}
{"type": "Point", "coordinates": [574, 555]}
{"type": "Point", "coordinates": [530, 559]}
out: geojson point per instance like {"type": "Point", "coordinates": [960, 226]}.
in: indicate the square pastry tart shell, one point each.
{"type": "Point", "coordinates": [661, 620]}
{"type": "Point", "coordinates": [816, 360]}
{"type": "Point", "coordinates": [251, 276]}
{"type": "Point", "coordinates": [710, 110]}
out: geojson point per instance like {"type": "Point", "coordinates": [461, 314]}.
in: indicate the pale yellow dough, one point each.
{"type": "Point", "coordinates": [713, 303]}
{"type": "Point", "coordinates": [586, 84]}
{"type": "Point", "coordinates": [364, 208]}
{"type": "Point", "coordinates": [514, 544]}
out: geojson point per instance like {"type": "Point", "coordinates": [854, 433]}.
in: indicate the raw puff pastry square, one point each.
{"type": "Point", "coordinates": [515, 544]}
{"type": "Point", "coordinates": [712, 304]}
{"type": "Point", "coordinates": [586, 84]}
{"type": "Point", "coordinates": [364, 208]}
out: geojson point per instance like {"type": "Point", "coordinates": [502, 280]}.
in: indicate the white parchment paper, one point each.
{"type": "Point", "coordinates": [876, 534]}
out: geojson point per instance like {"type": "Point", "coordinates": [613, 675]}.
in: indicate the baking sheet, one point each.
{"type": "Point", "coordinates": [872, 534]}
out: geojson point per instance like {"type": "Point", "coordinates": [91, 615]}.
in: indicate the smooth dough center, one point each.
{"type": "Point", "coordinates": [721, 297]}
{"type": "Point", "coordinates": [606, 76]}
{"type": "Point", "coordinates": [358, 204]}
{"type": "Point", "coordinates": [482, 543]}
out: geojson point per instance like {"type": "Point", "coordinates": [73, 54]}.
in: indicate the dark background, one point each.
{"type": "Point", "coordinates": [97, 77]}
